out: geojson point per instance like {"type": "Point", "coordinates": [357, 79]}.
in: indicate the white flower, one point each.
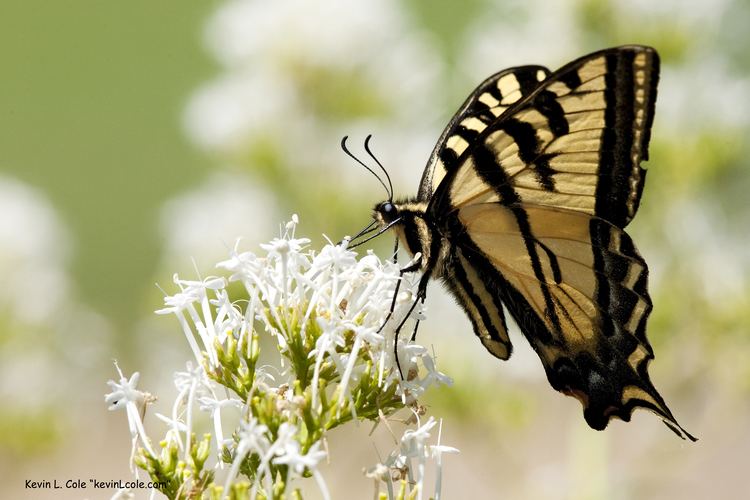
{"type": "Point", "coordinates": [243, 265]}
{"type": "Point", "coordinates": [176, 428]}
{"type": "Point", "coordinates": [413, 446]}
{"type": "Point", "coordinates": [193, 378]}
{"type": "Point", "coordinates": [298, 462]}
{"type": "Point", "coordinates": [292, 457]}
{"type": "Point", "coordinates": [436, 452]}
{"type": "Point", "coordinates": [295, 292]}
{"type": "Point", "coordinates": [124, 392]}
{"type": "Point", "coordinates": [125, 395]}
{"type": "Point", "coordinates": [178, 302]}
{"type": "Point", "coordinates": [413, 441]}
{"type": "Point", "coordinates": [192, 293]}
{"type": "Point", "coordinates": [252, 439]}
{"type": "Point", "coordinates": [192, 383]}
{"type": "Point", "coordinates": [285, 438]}
{"type": "Point", "coordinates": [214, 406]}
{"type": "Point", "coordinates": [336, 257]}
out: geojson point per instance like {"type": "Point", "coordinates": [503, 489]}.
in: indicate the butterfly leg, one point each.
{"type": "Point", "coordinates": [421, 296]}
{"type": "Point", "coordinates": [408, 269]}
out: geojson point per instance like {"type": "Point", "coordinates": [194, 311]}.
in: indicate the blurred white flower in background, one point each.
{"type": "Point", "coordinates": [286, 79]}
{"type": "Point", "coordinates": [699, 15]}
{"type": "Point", "coordinates": [223, 114]}
{"type": "Point", "coordinates": [34, 249]}
{"type": "Point", "coordinates": [719, 259]}
{"type": "Point", "coordinates": [498, 41]}
{"type": "Point", "coordinates": [42, 324]}
{"type": "Point", "coordinates": [689, 100]}
{"type": "Point", "coordinates": [205, 222]}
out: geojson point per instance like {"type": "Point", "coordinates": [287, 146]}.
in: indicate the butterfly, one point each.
{"type": "Point", "coordinates": [521, 209]}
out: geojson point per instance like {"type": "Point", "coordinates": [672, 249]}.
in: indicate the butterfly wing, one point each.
{"type": "Point", "coordinates": [577, 287]}
{"type": "Point", "coordinates": [480, 298]}
{"type": "Point", "coordinates": [535, 203]}
{"type": "Point", "coordinates": [575, 142]}
{"type": "Point", "coordinates": [490, 99]}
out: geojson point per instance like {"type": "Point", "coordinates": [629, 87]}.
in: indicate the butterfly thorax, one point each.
{"type": "Point", "coordinates": [415, 232]}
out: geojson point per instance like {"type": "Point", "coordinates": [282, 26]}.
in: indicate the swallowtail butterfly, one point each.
{"type": "Point", "coordinates": [522, 208]}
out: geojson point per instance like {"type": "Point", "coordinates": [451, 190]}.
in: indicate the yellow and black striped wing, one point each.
{"type": "Point", "coordinates": [575, 142]}
{"type": "Point", "coordinates": [480, 298]}
{"type": "Point", "coordinates": [577, 287]}
{"type": "Point", "coordinates": [490, 100]}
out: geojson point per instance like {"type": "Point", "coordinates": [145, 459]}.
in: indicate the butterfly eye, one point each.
{"type": "Point", "coordinates": [387, 210]}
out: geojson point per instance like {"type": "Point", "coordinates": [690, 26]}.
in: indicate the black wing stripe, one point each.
{"type": "Point", "coordinates": [484, 161]}
{"type": "Point", "coordinates": [616, 136]}
{"type": "Point", "coordinates": [527, 81]}
{"type": "Point", "coordinates": [524, 135]}
{"type": "Point", "coordinates": [536, 265]}
{"type": "Point", "coordinates": [467, 134]}
{"type": "Point", "coordinates": [546, 103]}
{"type": "Point", "coordinates": [448, 157]}
{"type": "Point", "coordinates": [571, 79]}
{"type": "Point", "coordinates": [630, 92]}
{"type": "Point", "coordinates": [494, 91]}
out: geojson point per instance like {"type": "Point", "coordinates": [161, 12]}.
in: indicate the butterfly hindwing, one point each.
{"type": "Point", "coordinates": [481, 301]}
{"type": "Point", "coordinates": [490, 99]}
{"type": "Point", "coordinates": [577, 287]}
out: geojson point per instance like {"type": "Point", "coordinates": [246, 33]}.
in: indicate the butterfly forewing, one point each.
{"type": "Point", "coordinates": [575, 142]}
{"type": "Point", "coordinates": [491, 98]}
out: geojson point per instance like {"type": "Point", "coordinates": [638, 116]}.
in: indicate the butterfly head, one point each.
{"type": "Point", "coordinates": [407, 218]}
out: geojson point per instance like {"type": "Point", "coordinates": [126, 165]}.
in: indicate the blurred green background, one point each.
{"type": "Point", "coordinates": [139, 139]}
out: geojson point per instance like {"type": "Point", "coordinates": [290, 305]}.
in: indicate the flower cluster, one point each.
{"type": "Point", "coordinates": [333, 362]}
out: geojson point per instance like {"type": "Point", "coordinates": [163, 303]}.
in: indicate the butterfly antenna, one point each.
{"type": "Point", "coordinates": [367, 148]}
{"type": "Point", "coordinates": [346, 150]}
